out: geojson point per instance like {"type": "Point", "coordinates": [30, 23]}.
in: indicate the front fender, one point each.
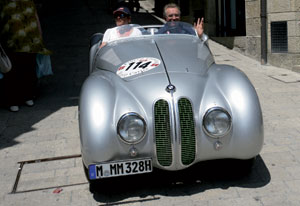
{"type": "Point", "coordinates": [103, 100]}
{"type": "Point", "coordinates": [231, 89]}
{"type": "Point", "coordinates": [96, 108]}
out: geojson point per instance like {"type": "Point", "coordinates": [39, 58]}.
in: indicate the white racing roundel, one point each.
{"type": "Point", "coordinates": [137, 66]}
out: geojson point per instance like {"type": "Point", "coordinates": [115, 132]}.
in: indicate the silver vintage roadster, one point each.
{"type": "Point", "coordinates": [158, 100]}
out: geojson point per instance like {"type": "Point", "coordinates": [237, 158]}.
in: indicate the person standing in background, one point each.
{"type": "Point", "coordinates": [21, 37]}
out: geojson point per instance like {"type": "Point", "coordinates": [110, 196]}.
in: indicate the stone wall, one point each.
{"type": "Point", "coordinates": [289, 11]}
{"type": "Point", "coordinates": [278, 10]}
{"type": "Point", "coordinates": [250, 45]}
{"type": "Point", "coordinates": [253, 29]}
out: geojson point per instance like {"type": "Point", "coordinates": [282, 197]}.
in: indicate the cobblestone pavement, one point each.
{"type": "Point", "coordinates": [50, 129]}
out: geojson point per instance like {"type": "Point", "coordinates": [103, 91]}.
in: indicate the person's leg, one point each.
{"type": "Point", "coordinates": [20, 82]}
{"type": "Point", "coordinates": [137, 5]}
{"type": "Point", "coordinates": [29, 80]}
{"type": "Point", "coordinates": [11, 83]}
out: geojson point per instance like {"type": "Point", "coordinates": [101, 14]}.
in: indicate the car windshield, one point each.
{"type": "Point", "coordinates": [177, 27]}
{"type": "Point", "coordinates": [135, 30]}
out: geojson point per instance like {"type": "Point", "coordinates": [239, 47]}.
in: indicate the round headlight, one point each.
{"type": "Point", "coordinates": [217, 122]}
{"type": "Point", "coordinates": [131, 128]}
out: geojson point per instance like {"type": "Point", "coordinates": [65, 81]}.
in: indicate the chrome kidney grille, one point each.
{"type": "Point", "coordinates": [187, 128]}
{"type": "Point", "coordinates": [163, 132]}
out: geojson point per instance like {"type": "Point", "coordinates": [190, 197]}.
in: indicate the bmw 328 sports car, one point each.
{"type": "Point", "coordinates": [158, 100]}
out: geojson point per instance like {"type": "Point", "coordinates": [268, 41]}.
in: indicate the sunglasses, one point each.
{"type": "Point", "coordinates": [120, 15]}
{"type": "Point", "coordinates": [171, 15]}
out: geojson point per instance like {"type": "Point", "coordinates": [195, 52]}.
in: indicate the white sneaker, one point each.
{"type": "Point", "coordinates": [29, 103]}
{"type": "Point", "coordinates": [14, 108]}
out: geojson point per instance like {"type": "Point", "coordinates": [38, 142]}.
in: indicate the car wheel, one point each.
{"type": "Point", "coordinates": [245, 167]}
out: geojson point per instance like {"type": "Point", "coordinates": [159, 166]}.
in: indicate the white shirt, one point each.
{"type": "Point", "coordinates": [114, 33]}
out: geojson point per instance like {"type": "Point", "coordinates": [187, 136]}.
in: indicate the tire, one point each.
{"type": "Point", "coordinates": [245, 167]}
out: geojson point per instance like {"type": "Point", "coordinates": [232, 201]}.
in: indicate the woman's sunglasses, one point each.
{"type": "Point", "coordinates": [120, 15]}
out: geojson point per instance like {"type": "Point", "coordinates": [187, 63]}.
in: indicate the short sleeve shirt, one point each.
{"type": "Point", "coordinates": [114, 34]}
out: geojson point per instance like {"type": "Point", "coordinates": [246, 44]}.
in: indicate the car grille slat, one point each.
{"type": "Point", "coordinates": [163, 133]}
{"type": "Point", "coordinates": [187, 127]}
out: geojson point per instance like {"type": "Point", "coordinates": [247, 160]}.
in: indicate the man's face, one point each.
{"type": "Point", "coordinates": [121, 19]}
{"type": "Point", "coordinates": [172, 14]}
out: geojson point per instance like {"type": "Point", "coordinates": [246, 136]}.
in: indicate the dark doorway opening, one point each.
{"type": "Point", "coordinates": [230, 18]}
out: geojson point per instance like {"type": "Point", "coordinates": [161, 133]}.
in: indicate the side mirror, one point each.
{"type": "Point", "coordinates": [204, 38]}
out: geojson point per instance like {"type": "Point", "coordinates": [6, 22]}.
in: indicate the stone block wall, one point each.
{"type": "Point", "coordinates": [250, 45]}
{"type": "Point", "coordinates": [253, 29]}
{"type": "Point", "coordinates": [289, 11]}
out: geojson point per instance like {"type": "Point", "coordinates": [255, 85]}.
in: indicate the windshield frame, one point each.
{"type": "Point", "coordinates": [169, 28]}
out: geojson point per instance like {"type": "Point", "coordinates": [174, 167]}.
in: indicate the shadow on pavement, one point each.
{"type": "Point", "coordinates": [221, 174]}
{"type": "Point", "coordinates": [66, 32]}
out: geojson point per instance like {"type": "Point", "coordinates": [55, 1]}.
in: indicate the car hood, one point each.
{"type": "Point", "coordinates": [132, 59]}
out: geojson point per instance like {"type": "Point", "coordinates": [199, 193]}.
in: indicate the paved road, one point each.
{"type": "Point", "coordinates": [50, 129]}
